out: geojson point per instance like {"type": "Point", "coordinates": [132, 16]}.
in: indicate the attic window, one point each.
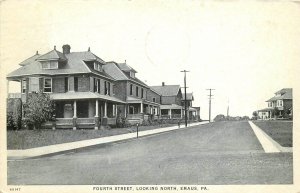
{"type": "Point", "coordinates": [50, 65]}
{"type": "Point", "coordinates": [98, 67]}
{"type": "Point", "coordinates": [132, 74]}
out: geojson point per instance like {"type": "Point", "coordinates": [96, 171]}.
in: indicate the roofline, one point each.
{"type": "Point", "coordinates": [57, 74]}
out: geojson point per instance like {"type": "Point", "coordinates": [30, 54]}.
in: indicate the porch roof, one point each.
{"type": "Point", "coordinates": [192, 109]}
{"type": "Point", "coordinates": [138, 100]}
{"type": "Point", "coordinates": [266, 109]}
{"type": "Point", "coordinates": [172, 106]}
{"type": "Point", "coordinates": [83, 95]}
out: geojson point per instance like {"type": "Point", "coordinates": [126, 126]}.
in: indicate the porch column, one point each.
{"type": "Point", "coordinates": [170, 113]}
{"type": "Point", "coordinates": [105, 109]}
{"type": "Point", "coordinates": [74, 115]}
{"type": "Point", "coordinates": [97, 116]}
{"type": "Point", "coordinates": [142, 107]}
{"type": "Point", "coordinates": [181, 113]}
{"type": "Point", "coordinates": [125, 110]}
{"type": "Point", "coordinates": [114, 110]}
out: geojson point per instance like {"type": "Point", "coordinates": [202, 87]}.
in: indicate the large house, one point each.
{"type": "Point", "coordinates": [91, 93]}
{"type": "Point", "coordinates": [171, 97]}
{"type": "Point", "coordinates": [82, 90]}
{"type": "Point", "coordinates": [142, 103]}
{"type": "Point", "coordinates": [279, 106]}
{"type": "Point", "coordinates": [193, 112]}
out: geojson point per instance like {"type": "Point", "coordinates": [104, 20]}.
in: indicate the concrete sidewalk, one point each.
{"type": "Point", "coordinates": [59, 148]}
{"type": "Point", "coordinates": [269, 145]}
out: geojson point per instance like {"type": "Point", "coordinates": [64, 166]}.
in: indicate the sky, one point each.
{"type": "Point", "coordinates": [245, 50]}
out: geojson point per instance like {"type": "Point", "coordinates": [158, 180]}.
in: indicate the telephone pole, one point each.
{"type": "Point", "coordinates": [185, 106]}
{"type": "Point", "coordinates": [210, 95]}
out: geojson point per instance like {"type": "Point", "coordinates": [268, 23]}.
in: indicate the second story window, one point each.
{"type": "Point", "coordinates": [142, 93]}
{"type": "Point", "coordinates": [75, 83]}
{"type": "Point", "coordinates": [153, 99]}
{"type": "Point", "coordinates": [47, 84]}
{"type": "Point", "coordinates": [137, 91]}
{"type": "Point", "coordinates": [66, 84]}
{"type": "Point", "coordinates": [24, 86]}
{"type": "Point", "coordinates": [131, 88]}
{"type": "Point", "coordinates": [97, 85]}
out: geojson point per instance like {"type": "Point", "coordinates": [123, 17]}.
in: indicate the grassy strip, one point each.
{"type": "Point", "coordinates": [280, 131]}
{"type": "Point", "coordinates": [24, 139]}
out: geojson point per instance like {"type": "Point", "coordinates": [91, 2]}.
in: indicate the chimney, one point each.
{"type": "Point", "coordinates": [163, 83]}
{"type": "Point", "coordinates": [66, 49]}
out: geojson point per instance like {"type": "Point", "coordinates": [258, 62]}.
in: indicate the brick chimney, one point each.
{"type": "Point", "coordinates": [163, 83]}
{"type": "Point", "coordinates": [66, 49]}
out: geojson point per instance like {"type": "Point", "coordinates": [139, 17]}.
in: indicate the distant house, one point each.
{"type": "Point", "coordinates": [76, 81]}
{"type": "Point", "coordinates": [193, 112]}
{"type": "Point", "coordinates": [279, 106]}
{"type": "Point", "coordinates": [171, 97]}
{"type": "Point", "coordinates": [142, 103]}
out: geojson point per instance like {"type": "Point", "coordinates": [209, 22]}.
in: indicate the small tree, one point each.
{"type": "Point", "coordinates": [38, 109]}
{"type": "Point", "coordinates": [276, 112]}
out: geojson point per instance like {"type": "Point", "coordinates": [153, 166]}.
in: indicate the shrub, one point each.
{"type": "Point", "coordinates": [14, 114]}
{"type": "Point", "coordinates": [38, 109]}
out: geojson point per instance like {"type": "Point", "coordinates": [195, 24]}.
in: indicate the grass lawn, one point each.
{"type": "Point", "coordinates": [280, 131]}
{"type": "Point", "coordinates": [24, 139]}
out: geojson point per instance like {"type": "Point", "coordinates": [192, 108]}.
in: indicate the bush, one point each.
{"type": "Point", "coordinates": [14, 114]}
{"type": "Point", "coordinates": [38, 109]}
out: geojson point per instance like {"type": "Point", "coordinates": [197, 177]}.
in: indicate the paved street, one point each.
{"type": "Point", "coordinates": [215, 153]}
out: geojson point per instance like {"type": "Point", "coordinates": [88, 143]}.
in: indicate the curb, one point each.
{"type": "Point", "coordinates": [83, 144]}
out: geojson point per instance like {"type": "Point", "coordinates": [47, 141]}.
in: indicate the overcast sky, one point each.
{"type": "Point", "coordinates": [246, 51]}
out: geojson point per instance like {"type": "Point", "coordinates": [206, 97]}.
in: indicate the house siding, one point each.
{"type": "Point", "coordinates": [167, 100]}
{"type": "Point", "coordinates": [121, 90]}
{"type": "Point", "coordinates": [151, 95]}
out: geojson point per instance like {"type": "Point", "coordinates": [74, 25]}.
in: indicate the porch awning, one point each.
{"type": "Point", "coordinates": [172, 106]}
{"type": "Point", "coordinates": [192, 109]}
{"type": "Point", "coordinates": [266, 109]}
{"type": "Point", "coordinates": [131, 100]}
{"type": "Point", "coordinates": [83, 95]}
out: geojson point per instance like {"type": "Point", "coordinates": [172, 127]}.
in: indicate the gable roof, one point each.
{"type": "Point", "coordinates": [29, 60]}
{"type": "Point", "coordinates": [52, 55]}
{"type": "Point", "coordinates": [189, 96]}
{"type": "Point", "coordinates": [167, 90]}
{"type": "Point", "coordinates": [285, 93]}
{"type": "Point", "coordinates": [113, 69]}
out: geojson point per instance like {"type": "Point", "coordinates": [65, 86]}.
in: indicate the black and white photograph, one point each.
{"type": "Point", "coordinates": [149, 96]}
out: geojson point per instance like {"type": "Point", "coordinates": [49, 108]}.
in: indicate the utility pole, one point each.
{"type": "Point", "coordinates": [185, 106]}
{"type": "Point", "coordinates": [210, 95]}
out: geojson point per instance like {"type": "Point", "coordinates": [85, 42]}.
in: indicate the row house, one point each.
{"type": "Point", "coordinates": [142, 103]}
{"type": "Point", "coordinates": [82, 91]}
{"type": "Point", "coordinates": [281, 102]}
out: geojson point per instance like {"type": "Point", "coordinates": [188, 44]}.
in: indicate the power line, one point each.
{"type": "Point", "coordinates": [185, 106]}
{"type": "Point", "coordinates": [210, 95]}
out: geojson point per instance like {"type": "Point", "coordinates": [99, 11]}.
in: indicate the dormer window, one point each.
{"type": "Point", "coordinates": [132, 74]}
{"type": "Point", "coordinates": [97, 66]}
{"type": "Point", "coordinates": [50, 65]}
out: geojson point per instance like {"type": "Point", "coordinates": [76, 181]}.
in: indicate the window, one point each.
{"type": "Point", "coordinates": [97, 66]}
{"type": "Point", "coordinates": [142, 93]}
{"type": "Point", "coordinates": [132, 74]}
{"type": "Point", "coordinates": [53, 65]}
{"type": "Point", "coordinates": [131, 88]}
{"type": "Point", "coordinates": [95, 85]}
{"type": "Point", "coordinates": [108, 87]}
{"type": "Point", "coordinates": [75, 83]}
{"type": "Point", "coordinates": [50, 65]}
{"type": "Point", "coordinates": [153, 99]}
{"type": "Point", "coordinates": [105, 88]}
{"type": "Point", "coordinates": [98, 85]}
{"type": "Point", "coordinates": [24, 86]}
{"type": "Point", "coordinates": [33, 84]}
{"type": "Point", "coordinates": [47, 84]}
{"type": "Point", "coordinates": [66, 84]}
{"type": "Point", "coordinates": [137, 91]}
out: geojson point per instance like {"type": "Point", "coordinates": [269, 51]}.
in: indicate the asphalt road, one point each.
{"type": "Point", "coordinates": [215, 153]}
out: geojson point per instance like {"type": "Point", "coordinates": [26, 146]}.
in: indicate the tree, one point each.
{"type": "Point", "coordinates": [255, 115]}
{"type": "Point", "coordinates": [220, 118]}
{"type": "Point", "coordinates": [276, 112]}
{"type": "Point", "coordinates": [38, 109]}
